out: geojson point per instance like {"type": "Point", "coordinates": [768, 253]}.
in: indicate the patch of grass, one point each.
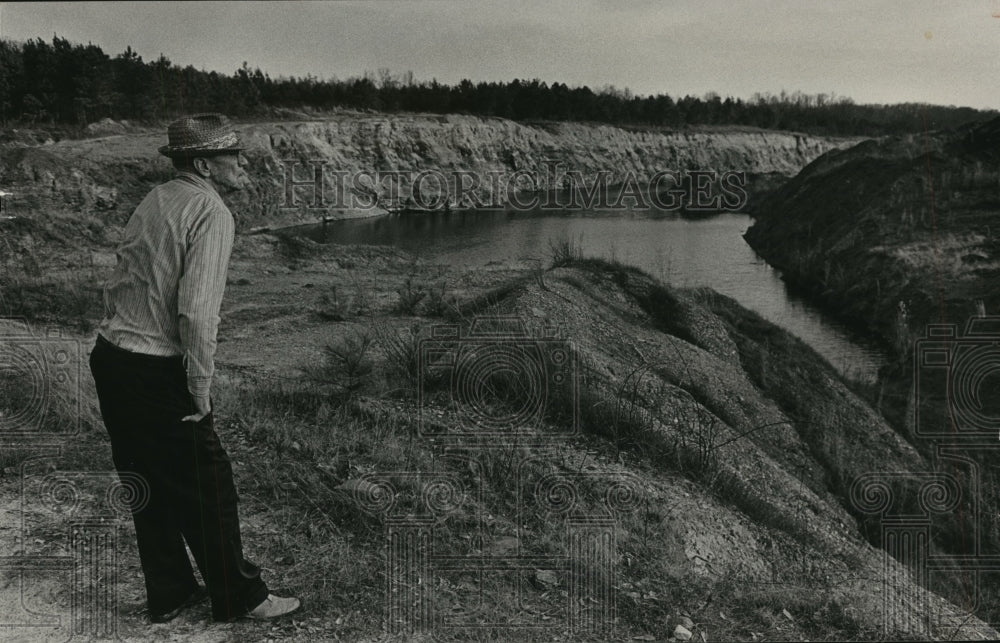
{"type": "Point", "coordinates": [332, 553]}
{"type": "Point", "coordinates": [784, 367]}
{"type": "Point", "coordinates": [620, 415]}
{"type": "Point", "coordinates": [759, 615]}
{"type": "Point", "coordinates": [293, 449]}
{"type": "Point", "coordinates": [73, 301]}
{"type": "Point", "coordinates": [631, 417]}
{"type": "Point", "coordinates": [658, 300]}
{"type": "Point", "coordinates": [758, 507]}
{"type": "Point", "coordinates": [492, 302]}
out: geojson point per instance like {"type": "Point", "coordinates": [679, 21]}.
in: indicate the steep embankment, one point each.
{"type": "Point", "coordinates": [778, 442]}
{"type": "Point", "coordinates": [100, 180]}
{"type": "Point", "coordinates": [894, 233]}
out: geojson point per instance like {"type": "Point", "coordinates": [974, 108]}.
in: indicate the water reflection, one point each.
{"type": "Point", "coordinates": [687, 252]}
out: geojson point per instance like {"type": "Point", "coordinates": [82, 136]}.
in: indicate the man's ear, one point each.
{"type": "Point", "coordinates": [201, 166]}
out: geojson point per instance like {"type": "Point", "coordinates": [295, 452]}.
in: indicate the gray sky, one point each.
{"type": "Point", "coordinates": [945, 52]}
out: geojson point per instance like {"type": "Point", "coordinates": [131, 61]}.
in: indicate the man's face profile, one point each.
{"type": "Point", "coordinates": [226, 171]}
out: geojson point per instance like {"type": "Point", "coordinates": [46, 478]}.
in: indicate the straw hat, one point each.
{"type": "Point", "coordinates": [201, 135]}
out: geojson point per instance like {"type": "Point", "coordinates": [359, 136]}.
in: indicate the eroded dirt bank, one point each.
{"type": "Point", "coordinates": [99, 180]}
{"type": "Point", "coordinates": [895, 233]}
{"type": "Point", "coordinates": [899, 236]}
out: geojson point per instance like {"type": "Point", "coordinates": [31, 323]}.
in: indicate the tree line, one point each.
{"type": "Point", "coordinates": [72, 84]}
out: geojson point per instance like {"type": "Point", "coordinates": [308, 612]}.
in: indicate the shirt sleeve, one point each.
{"type": "Point", "coordinates": [199, 296]}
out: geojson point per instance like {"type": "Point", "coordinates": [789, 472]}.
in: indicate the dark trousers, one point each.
{"type": "Point", "coordinates": [191, 495]}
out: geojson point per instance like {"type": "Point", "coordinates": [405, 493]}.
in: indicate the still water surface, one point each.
{"type": "Point", "coordinates": [701, 252]}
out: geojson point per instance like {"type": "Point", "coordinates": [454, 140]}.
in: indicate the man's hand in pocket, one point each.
{"type": "Point", "coordinates": [203, 406]}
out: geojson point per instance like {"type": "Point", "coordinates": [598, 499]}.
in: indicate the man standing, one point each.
{"type": "Point", "coordinates": [153, 366]}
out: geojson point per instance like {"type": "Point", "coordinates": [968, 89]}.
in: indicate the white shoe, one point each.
{"type": "Point", "coordinates": [273, 607]}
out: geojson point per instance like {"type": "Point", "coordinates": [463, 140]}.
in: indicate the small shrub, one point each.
{"type": "Point", "coordinates": [439, 303]}
{"type": "Point", "coordinates": [698, 440]}
{"type": "Point", "coordinates": [347, 365]}
{"type": "Point", "coordinates": [401, 351]}
{"type": "Point", "coordinates": [565, 252]}
{"type": "Point", "coordinates": [361, 302]}
{"type": "Point", "coordinates": [335, 306]}
{"type": "Point", "coordinates": [410, 295]}
{"type": "Point", "coordinates": [332, 307]}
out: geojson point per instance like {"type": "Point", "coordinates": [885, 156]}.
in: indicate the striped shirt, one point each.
{"type": "Point", "coordinates": [166, 291]}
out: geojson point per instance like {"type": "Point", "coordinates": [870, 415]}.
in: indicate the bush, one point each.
{"type": "Point", "coordinates": [439, 303]}
{"type": "Point", "coordinates": [401, 351]}
{"type": "Point", "coordinates": [410, 295]}
{"type": "Point", "coordinates": [565, 252]}
{"type": "Point", "coordinates": [332, 307]}
{"type": "Point", "coordinates": [347, 365]}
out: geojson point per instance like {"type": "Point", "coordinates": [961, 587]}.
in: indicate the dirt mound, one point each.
{"type": "Point", "coordinates": [774, 438]}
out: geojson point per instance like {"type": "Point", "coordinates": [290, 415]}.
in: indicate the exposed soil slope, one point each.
{"type": "Point", "coordinates": [901, 224]}
{"type": "Point", "coordinates": [103, 178]}
{"type": "Point", "coordinates": [898, 235]}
